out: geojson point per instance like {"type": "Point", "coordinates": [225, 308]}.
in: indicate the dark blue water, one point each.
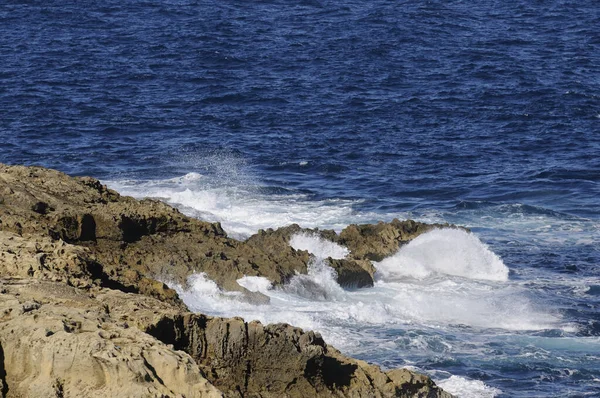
{"type": "Point", "coordinates": [482, 113]}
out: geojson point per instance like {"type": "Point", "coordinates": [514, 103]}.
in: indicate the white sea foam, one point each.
{"type": "Point", "coordinates": [319, 247]}
{"type": "Point", "coordinates": [466, 388]}
{"type": "Point", "coordinates": [243, 209]}
{"type": "Point", "coordinates": [444, 277]}
{"type": "Point", "coordinates": [444, 251]}
{"type": "Point", "coordinates": [318, 284]}
{"type": "Point", "coordinates": [204, 293]}
{"type": "Point", "coordinates": [316, 301]}
{"type": "Point", "coordinates": [445, 282]}
{"type": "Point", "coordinates": [255, 283]}
{"type": "Point", "coordinates": [438, 302]}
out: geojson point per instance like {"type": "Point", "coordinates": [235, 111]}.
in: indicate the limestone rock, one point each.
{"type": "Point", "coordinates": [56, 341]}
{"type": "Point", "coordinates": [41, 257]}
{"type": "Point", "coordinates": [250, 359]}
{"type": "Point", "coordinates": [109, 343]}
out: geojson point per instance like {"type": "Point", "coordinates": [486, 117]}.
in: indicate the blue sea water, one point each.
{"type": "Point", "coordinates": [262, 113]}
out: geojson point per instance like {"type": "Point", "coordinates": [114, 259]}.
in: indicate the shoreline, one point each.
{"type": "Point", "coordinates": [73, 237]}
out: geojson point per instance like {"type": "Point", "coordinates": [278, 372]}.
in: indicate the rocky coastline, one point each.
{"type": "Point", "coordinates": [83, 312]}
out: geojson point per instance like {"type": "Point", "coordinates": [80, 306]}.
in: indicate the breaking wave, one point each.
{"type": "Point", "coordinates": [444, 251]}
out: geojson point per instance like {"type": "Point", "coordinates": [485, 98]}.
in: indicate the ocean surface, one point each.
{"type": "Point", "coordinates": [263, 113]}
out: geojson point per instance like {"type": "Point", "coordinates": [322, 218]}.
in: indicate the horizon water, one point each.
{"type": "Point", "coordinates": [263, 114]}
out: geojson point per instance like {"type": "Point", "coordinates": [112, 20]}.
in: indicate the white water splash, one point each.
{"type": "Point", "coordinates": [444, 251]}
{"type": "Point", "coordinates": [243, 209]}
{"type": "Point", "coordinates": [255, 283]}
{"type": "Point", "coordinates": [465, 388]}
{"type": "Point", "coordinates": [319, 247]}
{"type": "Point", "coordinates": [451, 292]}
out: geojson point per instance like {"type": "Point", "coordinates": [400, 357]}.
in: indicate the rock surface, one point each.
{"type": "Point", "coordinates": [58, 341]}
{"type": "Point", "coordinates": [134, 239]}
{"type": "Point", "coordinates": [81, 313]}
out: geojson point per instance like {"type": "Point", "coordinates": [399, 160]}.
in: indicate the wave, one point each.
{"type": "Point", "coordinates": [438, 299]}
{"type": "Point", "coordinates": [244, 208]}
{"type": "Point", "coordinates": [228, 194]}
{"type": "Point", "coordinates": [443, 251]}
{"type": "Point", "coordinates": [466, 388]}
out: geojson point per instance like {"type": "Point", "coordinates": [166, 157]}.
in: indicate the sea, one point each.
{"type": "Point", "coordinates": [259, 114]}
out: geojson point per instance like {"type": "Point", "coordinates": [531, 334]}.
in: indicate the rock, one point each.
{"type": "Point", "coordinates": [353, 274]}
{"type": "Point", "coordinates": [134, 239]}
{"type": "Point", "coordinates": [138, 241]}
{"type": "Point", "coordinates": [41, 257]}
{"type": "Point", "coordinates": [111, 343]}
{"type": "Point", "coordinates": [83, 314]}
{"type": "Point", "coordinates": [250, 359]}
{"type": "Point", "coordinates": [68, 347]}
{"type": "Point", "coordinates": [256, 298]}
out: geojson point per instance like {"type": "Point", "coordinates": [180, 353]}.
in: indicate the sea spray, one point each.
{"type": "Point", "coordinates": [437, 299]}
{"type": "Point", "coordinates": [320, 281]}
{"type": "Point", "coordinates": [255, 283]}
{"type": "Point", "coordinates": [444, 251]}
{"type": "Point", "coordinates": [317, 246]}
{"type": "Point", "coordinates": [243, 208]}
{"type": "Point", "coordinates": [418, 316]}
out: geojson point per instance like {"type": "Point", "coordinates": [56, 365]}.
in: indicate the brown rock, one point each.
{"type": "Point", "coordinates": [249, 359]}
{"type": "Point", "coordinates": [351, 273]}
{"type": "Point", "coordinates": [145, 236]}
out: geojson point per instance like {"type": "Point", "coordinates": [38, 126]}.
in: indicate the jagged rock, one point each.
{"type": "Point", "coordinates": [128, 236]}
{"type": "Point", "coordinates": [93, 344]}
{"type": "Point", "coordinates": [250, 359]}
{"type": "Point", "coordinates": [41, 257]}
{"type": "Point", "coordinates": [74, 255]}
{"type": "Point", "coordinates": [351, 272]}
{"type": "Point", "coordinates": [134, 240]}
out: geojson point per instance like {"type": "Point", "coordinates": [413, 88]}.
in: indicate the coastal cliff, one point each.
{"type": "Point", "coordinates": [84, 314]}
